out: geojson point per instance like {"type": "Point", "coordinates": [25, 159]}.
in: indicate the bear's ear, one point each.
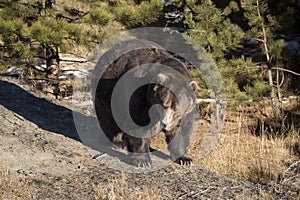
{"type": "Point", "coordinates": [163, 79]}
{"type": "Point", "coordinates": [194, 85]}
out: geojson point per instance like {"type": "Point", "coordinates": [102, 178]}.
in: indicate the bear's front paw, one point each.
{"type": "Point", "coordinates": [184, 160]}
{"type": "Point", "coordinates": [144, 161]}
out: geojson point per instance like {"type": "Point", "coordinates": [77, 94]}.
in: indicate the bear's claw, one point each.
{"type": "Point", "coordinates": [184, 160]}
{"type": "Point", "coordinates": [141, 162]}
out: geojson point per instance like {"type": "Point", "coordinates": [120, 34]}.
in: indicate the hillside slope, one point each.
{"type": "Point", "coordinates": [41, 157]}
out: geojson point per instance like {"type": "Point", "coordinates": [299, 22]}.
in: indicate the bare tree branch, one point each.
{"type": "Point", "coordinates": [282, 79]}
{"type": "Point", "coordinates": [258, 39]}
{"type": "Point", "coordinates": [286, 70]}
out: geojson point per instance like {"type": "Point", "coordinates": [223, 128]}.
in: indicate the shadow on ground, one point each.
{"type": "Point", "coordinates": [44, 114]}
{"type": "Point", "coordinates": [50, 117]}
{"type": "Point", "coordinates": [58, 119]}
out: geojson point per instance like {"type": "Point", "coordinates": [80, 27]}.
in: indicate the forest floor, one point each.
{"type": "Point", "coordinates": [42, 158]}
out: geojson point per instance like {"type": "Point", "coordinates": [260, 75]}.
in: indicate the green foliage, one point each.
{"type": "Point", "coordinates": [234, 93]}
{"type": "Point", "coordinates": [13, 34]}
{"type": "Point", "coordinates": [48, 31]}
{"type": "Point", "coordinates": [204, 17]}
{"type": "Point", "coordinates": [243, 69]}
{"type": "Point", "coordinates": [259, 18]}
{"type": "Point", "coordinates": [54, 32]}
{"type": "Point", "coordinates": [237, 74]}
{"type": "Point", "coordinates": [28, 26]}
{"type": "Point", "coordinates": [275, 48]}
{"type": "Point", "coordinates": [15, 10]}
{"type": "Point", "coordinates": [98, 16]}
{"type": "Point", "coordinates": [10, 30]}
{"type": "Point", "coordinates": [233, 7]}
{"type": "Point", "coordinates": [148, 12]}
{"type": "Point", "coordinates": [263, 27]}
{"type": "Point", "coordinates": [125, 15]}
{"type": "Point", "coordinates": [132, 15]}
{"type": "Point", "coordinates": [215, 32]}
{"type": "Point", "coordinates": [218, 35]}
{"type": "Point", "coordinates": [259, 89]}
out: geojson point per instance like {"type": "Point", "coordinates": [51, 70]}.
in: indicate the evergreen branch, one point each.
{"type": "Point", "coordinates": [22, 37]}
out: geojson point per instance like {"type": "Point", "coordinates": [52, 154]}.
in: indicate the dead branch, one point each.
{"type": "Point", "coordinates": [286, 70]}
{"type": "Point", "coordinates": [73, 61]}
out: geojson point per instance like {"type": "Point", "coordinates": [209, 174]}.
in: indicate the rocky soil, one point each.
{"type": "Point", "coordinates": [40, 148]}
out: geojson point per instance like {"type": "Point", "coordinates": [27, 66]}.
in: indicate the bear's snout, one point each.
{"type": "Point", "coordinates": [169, 121]}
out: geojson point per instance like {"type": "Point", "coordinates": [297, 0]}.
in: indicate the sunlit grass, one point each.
{"type": "Point", "coordinates": [241, 154]}
{"type": "Point", "coordinates": [118, 189]}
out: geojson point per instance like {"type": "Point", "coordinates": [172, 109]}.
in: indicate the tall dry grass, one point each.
{"type": "Point", "coordinates": [241, 154]}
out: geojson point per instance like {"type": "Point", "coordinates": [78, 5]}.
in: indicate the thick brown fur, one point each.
{"type": "Point", "coordinates": [141, 100]}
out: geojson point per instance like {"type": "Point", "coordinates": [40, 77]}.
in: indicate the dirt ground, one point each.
{"type": "Point", "coordinates": [42, 153]}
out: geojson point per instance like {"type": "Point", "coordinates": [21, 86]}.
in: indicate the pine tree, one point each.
{"type": "Point", "coordinates": [213, 29]}
{"type": "Point", "coordinates": [263, 27]}
{"type": "Point", "coordinates": [27, 27]}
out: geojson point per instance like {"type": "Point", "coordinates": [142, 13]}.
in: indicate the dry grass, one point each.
{"type": "Point", "coordinates": [84, 7]}
{"type": "Point", "coordinates": [2, 67]}
{"type": "Point", "coordinates": [244, 155]}
{"type": "Point", "coordinates": [118, 188]}
{"type": "Point", "coordinates": [10, 189]}
{"type": "Point", "coordinates": [244, 196]}
{"type": "Point", "coordinates": [240, 153]}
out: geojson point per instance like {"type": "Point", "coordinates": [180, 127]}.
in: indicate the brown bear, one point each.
{"type": "Point", "coordinates": [172, 91]}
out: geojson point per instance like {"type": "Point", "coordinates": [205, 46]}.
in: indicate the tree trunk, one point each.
{"type": "Point", "coordinates": [278, 84]}
{"type": "Point", "coordinates": [48, 56]}
{"type": "Point", "coordinates": [52, 62]}
{"type": "Point", "coordinates": [266, 50]}
{"type": "Point", "coordinates": [273, 101]}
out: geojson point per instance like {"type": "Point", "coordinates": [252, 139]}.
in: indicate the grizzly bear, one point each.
{"type": "Point", "coordinates": [161, 94]}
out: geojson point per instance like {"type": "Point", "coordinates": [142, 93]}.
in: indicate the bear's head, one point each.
{"type": "Point", "coordinates": [176, 102]}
